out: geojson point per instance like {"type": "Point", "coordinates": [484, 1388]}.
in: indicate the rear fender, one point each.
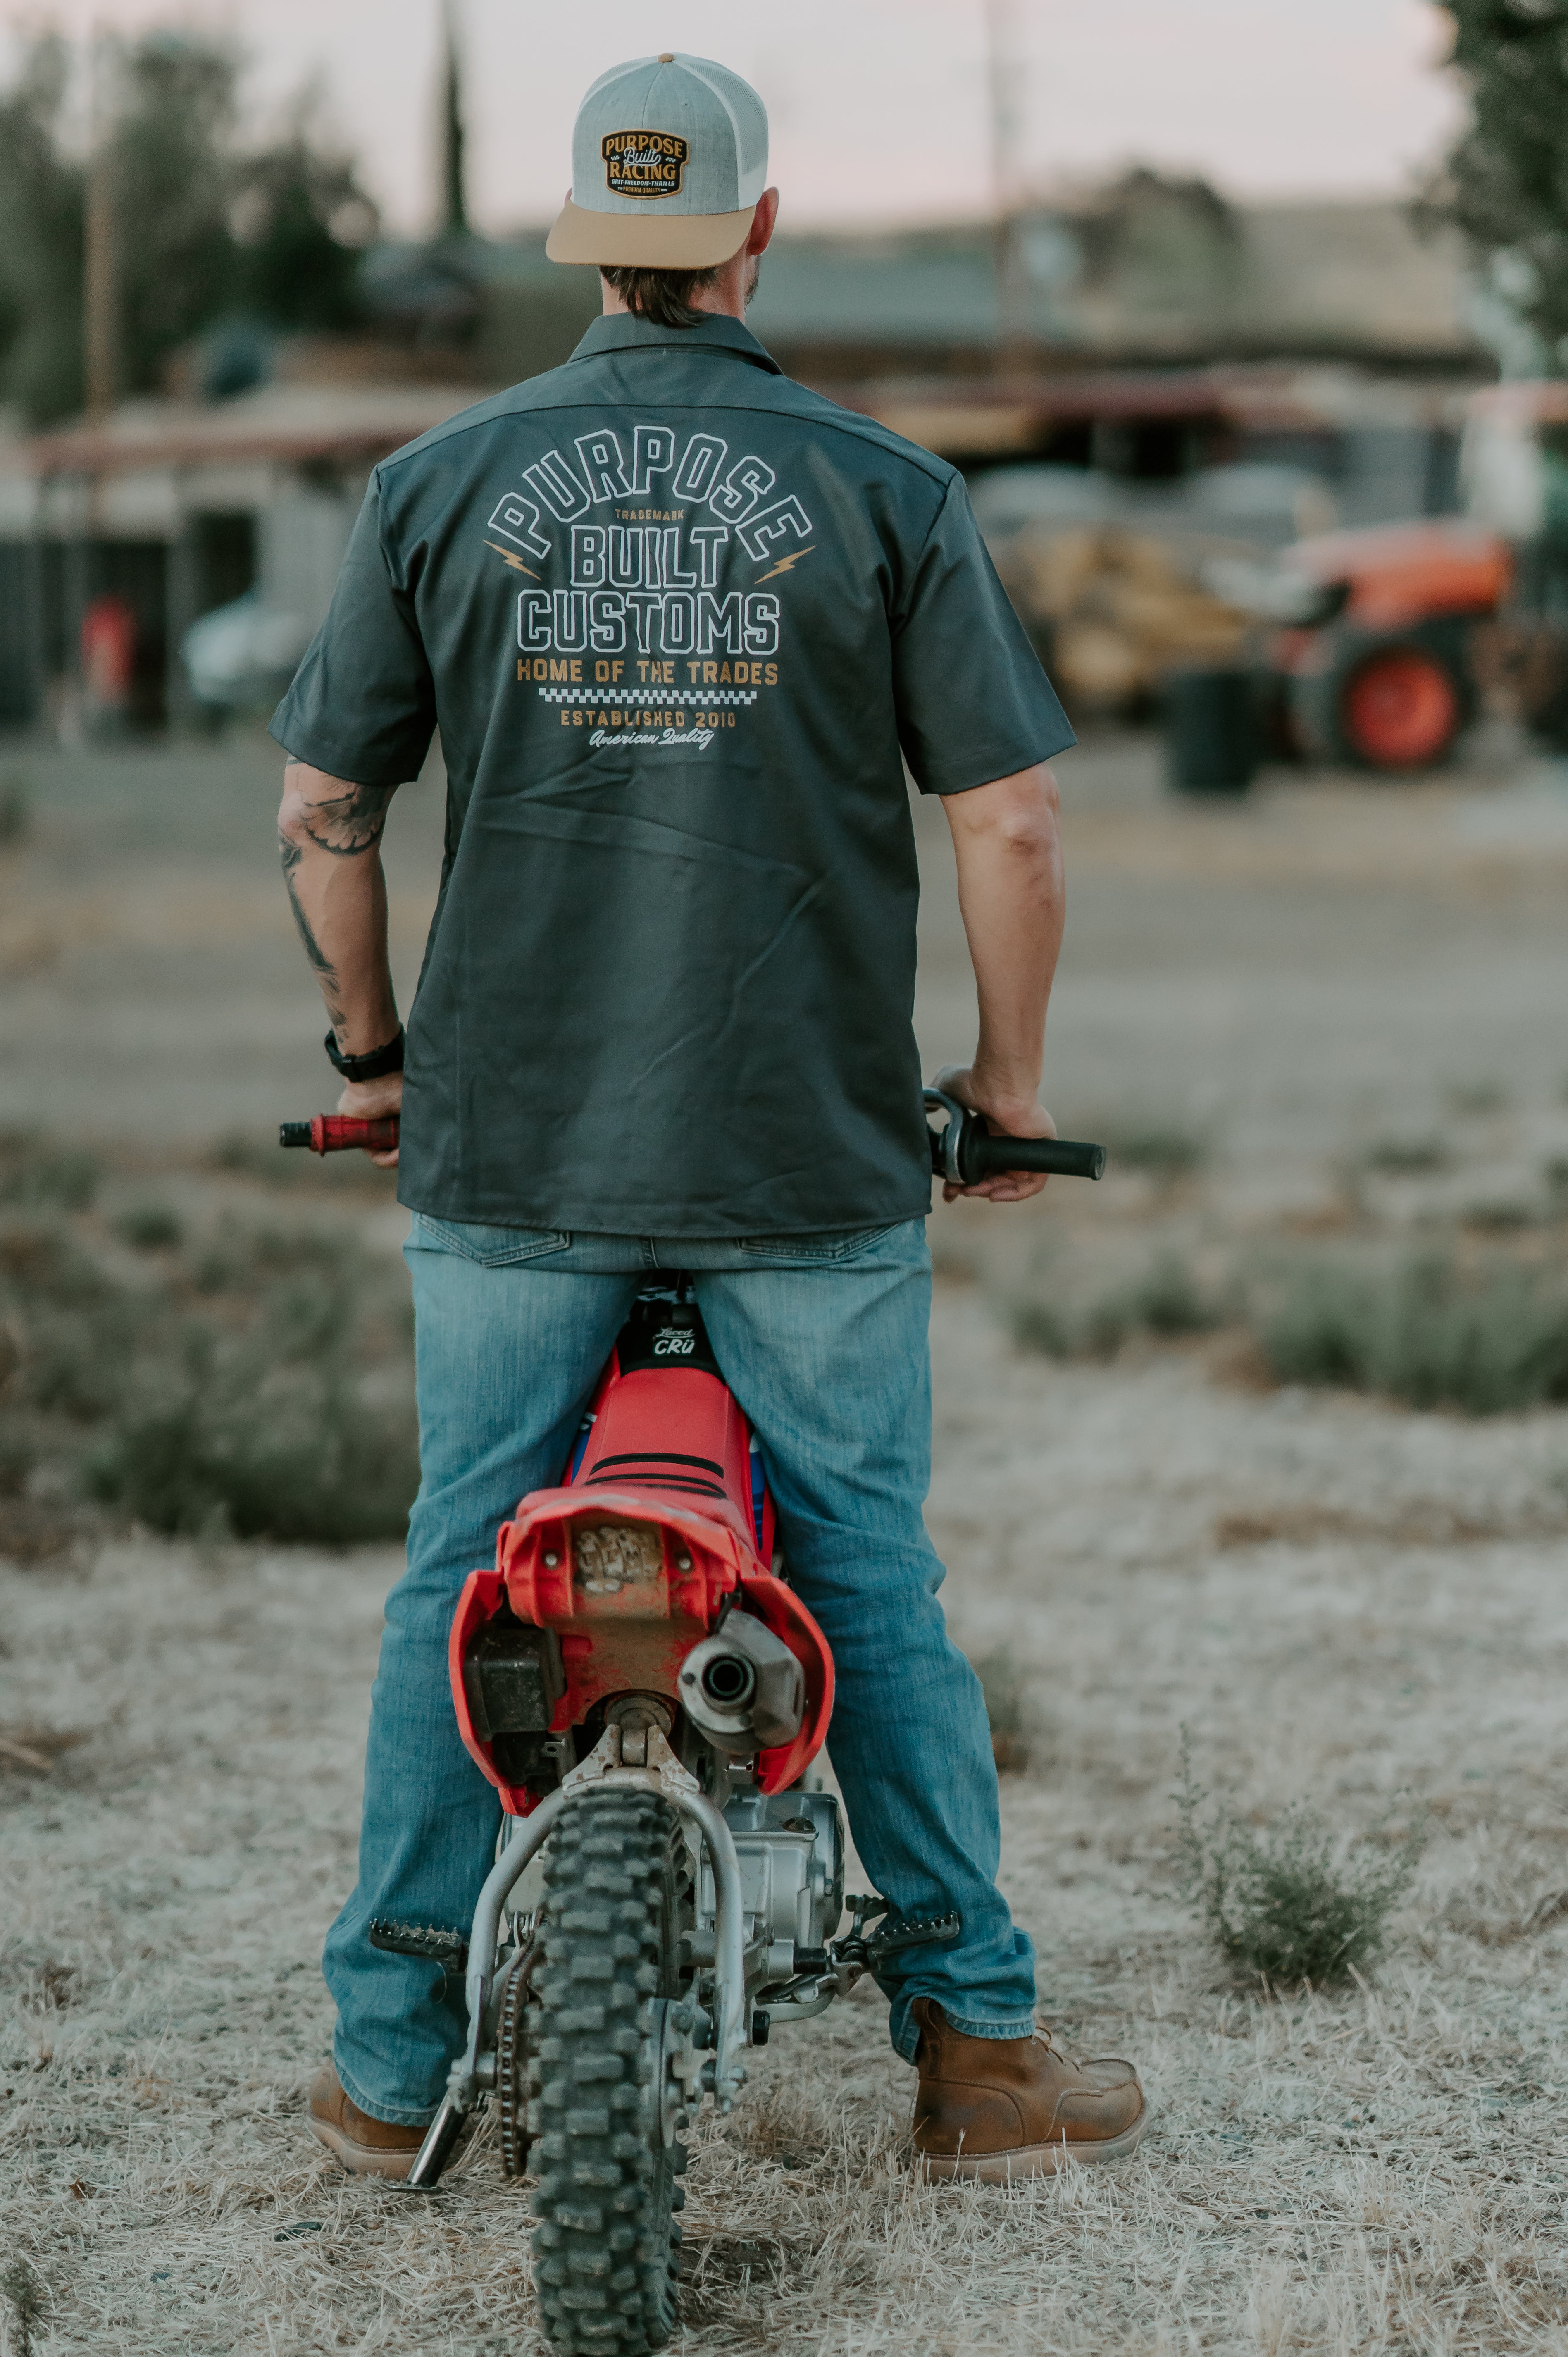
{"type": "Point", "coordinates": [627, 1607]}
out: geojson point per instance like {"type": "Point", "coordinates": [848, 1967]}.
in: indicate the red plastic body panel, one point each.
{"type": "Point", "coordinates": [479, 1602]}
{"type": "Point", "coordinates": [1402, 573]}
{"type": "Point", "coordinates": [669, 1451]}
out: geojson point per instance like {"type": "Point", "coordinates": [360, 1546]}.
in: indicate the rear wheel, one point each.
{"type": "Point", "coordinates": [601, 2106]}
{"type": "Point", "coordinates": [1384, 703]}
{"type": "Point", "coordinates": [1400, 709]}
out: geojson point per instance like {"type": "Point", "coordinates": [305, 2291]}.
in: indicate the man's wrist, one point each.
{"type": "Point", "coordinates": [374, 1065]}
{"type": "Point", "coordinates": [1001, 1095]}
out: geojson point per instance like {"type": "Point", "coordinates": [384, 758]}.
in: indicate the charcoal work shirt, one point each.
{"type": "Point", "coordinates": [676, 618]}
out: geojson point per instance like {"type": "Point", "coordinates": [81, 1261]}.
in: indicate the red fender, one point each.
{"type": "Point", "coordinates": [667, 1461]}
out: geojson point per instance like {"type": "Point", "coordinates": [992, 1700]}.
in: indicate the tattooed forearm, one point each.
{"type": "Point", "coordinates": [338, 899]}
{"type": "Point", "coordinates": [351, 822]}
{"type": "Point", "coordinates": [325, 972]}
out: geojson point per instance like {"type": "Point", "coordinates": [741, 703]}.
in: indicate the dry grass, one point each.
{"type": "Point", "coordinates": [1381, 2171]}
{"type": "Point", "coordinates": [1343, 1600]}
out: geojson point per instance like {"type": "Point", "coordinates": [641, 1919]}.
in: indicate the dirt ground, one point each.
{"type": "Point", "coordinates": [1339, 1598]}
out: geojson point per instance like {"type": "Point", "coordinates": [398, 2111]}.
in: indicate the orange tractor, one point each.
{"type": "Point", "coordinates": [1390, 637]}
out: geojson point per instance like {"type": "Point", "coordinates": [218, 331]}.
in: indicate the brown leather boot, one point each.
{"type": "Point", "coordinates": [997, 2108]}
{"type": "Point", "coordinates": [369, 2147]}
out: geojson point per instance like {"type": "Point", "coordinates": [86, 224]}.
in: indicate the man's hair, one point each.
{"type": "Point", "coordinates": [662, 296]}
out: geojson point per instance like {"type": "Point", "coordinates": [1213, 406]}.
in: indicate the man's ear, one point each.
{"type": "Point", "coordinates": [764, 222]}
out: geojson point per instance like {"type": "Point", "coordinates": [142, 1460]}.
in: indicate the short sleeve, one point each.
{"type": "Point", "coordinates": [973, 701]}
{"type": "Point", "coordinates": [362, 706]}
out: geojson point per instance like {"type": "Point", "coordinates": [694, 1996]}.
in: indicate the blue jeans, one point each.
{"type": "Point", "coordinates": [823, 1340]}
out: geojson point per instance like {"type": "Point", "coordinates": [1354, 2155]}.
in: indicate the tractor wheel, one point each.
{"type": "Point", "coordinates": [1400, 709]}
{"type": "Point", "coordinates": [602, 2104]}
{"type": "Point", "coordinates": [1387, 704]}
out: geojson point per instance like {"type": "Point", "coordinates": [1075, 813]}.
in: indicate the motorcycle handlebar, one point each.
{"type": "Point", "coordinates": [335, 1133]}
{"type": "Point", "coordinates": [982, 1156]}
{"type": "Point", "coordinates": [963, 1154]}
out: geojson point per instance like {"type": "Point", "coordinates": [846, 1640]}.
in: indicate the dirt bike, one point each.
{"type": "Point", "coordinates": [638, 1681]}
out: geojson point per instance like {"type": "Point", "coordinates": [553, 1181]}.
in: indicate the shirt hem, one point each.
{"type": "Point", "coordinates": [350, 768]}
{"type": "Point", "coordinates": [670, 1227]}
{"type": "Point", "coordinates": [1007, 763]}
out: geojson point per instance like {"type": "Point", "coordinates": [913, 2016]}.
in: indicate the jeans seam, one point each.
{"type": "Point", "coordinates": [558, 1239]}
{"type": "Point", "coordinates": [787, 1248]}
{"type": "Point", "coordinates": [1023, 2028]}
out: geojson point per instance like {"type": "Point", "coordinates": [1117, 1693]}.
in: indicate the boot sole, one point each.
{"type": "Point", "coordinates": [361, 2159]}
{"type": "Point", "coordinates": [1032, 2159]}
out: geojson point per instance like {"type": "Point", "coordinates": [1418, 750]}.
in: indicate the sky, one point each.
{"type": "Point", "coordinates": [878, 107]}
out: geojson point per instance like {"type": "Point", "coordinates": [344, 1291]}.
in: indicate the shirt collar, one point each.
{"type": "Point", "coordinates": [716, 331]}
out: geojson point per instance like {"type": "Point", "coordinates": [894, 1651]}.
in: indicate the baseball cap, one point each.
{"type": "Point", "coordinates": [669, 157]}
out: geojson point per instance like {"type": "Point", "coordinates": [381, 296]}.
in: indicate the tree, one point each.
{"type": "Point", "coordinates": [301, 218]}
{"type": "Point", "coordinates": [174, 180]}
{"type": "Point", "coordinates": [1506, 181]}
{"type": "Point", "coordinates": [40, 239]}
{"type": "Point", "coordinates": [209, 229]}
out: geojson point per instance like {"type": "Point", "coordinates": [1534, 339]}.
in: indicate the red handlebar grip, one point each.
{"type": "Point", "coordinates": [335, 1133]}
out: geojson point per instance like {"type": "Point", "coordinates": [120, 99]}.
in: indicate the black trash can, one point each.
{"type": "Point", "coordinates": [1213, 741]}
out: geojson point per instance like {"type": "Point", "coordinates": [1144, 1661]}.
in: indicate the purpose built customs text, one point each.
{"type": "Point", "coordinates": [665, 542]}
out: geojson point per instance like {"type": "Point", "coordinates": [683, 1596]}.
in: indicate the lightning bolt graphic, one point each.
{"type": "Point", "coordinates": [515, 562]}
{"type": "Point", "coordinates": [783, 565]}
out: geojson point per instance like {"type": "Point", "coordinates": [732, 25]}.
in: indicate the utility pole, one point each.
{"type": "Point", "coordinates": [101, 276]}
{"type": "Point", "coordinates": [1005, 73]}
{"type": "Point", "coordinates": [453, 192]}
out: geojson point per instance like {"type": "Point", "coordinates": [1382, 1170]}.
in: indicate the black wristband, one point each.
{"type": "Point", "coordinates": [371, 1067]}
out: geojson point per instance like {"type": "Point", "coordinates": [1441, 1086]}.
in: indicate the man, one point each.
{"type": "Point", "coordinates": [676, 618]}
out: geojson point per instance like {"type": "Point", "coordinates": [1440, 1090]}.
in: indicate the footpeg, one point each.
{"type": "Point", "coordinates": [447, 1949]}
{"type": "Point", "coordinates": [914, 1932]}
{"type": "Point", "coordinates": [863, 1951]}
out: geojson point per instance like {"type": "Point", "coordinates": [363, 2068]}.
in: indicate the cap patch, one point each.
{"type": "Point", "coordinates": [643, 163]}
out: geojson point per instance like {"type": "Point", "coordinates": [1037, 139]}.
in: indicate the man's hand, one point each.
{"type": "Point", "coordinates": [1006, 1116]}
{"type": "Point", "coordinates": [366, 1100]}
{"type": "Point", "coordinates": [1007, 843]}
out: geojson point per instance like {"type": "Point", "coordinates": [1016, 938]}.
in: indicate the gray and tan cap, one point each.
{"type": "Point", "coordinates": [669, 157]}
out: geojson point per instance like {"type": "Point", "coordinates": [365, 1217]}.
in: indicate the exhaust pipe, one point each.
{"type": "Point", "coordinates": [743, 1688]}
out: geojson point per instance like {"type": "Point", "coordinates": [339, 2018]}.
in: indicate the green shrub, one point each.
{"type": "Point", "coordinates": [259, 1381]}
{"type": "Point", "coordinates": [15, 809]}
{"type": "Point", "coordinates": [256, 1155]}
{"type": "Point", "coordinates": [150, 1227]}
{"type": "Point", "coordinates": [19, 1454]}
{"type": "Point", "coordinates": [1165, 1300]}
{"type": "Point", "coordinates": [1164, 1149]}
{"type": "Point", "coordinates": [25, 2298]}
{"type": "Point", "coordinates": [267, 1430]}
{"type": "Point", "coordinates": [37, 1175]}
{"type": "Point", "coordinates": [1421, 1331]}
{"type": "Point", "coordinates": [1472, 1099]}
{"type": "Point", "coordinates": [1294, 1901]}
{"type": "Point", "coordinates": [1405, 1157]}
{"type": "Point", "coordinates": [241, 1452]}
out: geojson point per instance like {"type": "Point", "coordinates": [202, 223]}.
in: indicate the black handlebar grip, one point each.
{"type": "Point", "coordinates": [982, 1156]}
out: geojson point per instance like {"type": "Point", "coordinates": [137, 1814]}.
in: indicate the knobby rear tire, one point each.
{"type": "Point", "coordinates": [607, 2247]}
